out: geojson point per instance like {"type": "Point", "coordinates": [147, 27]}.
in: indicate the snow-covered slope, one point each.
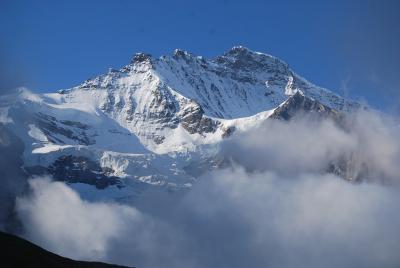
{"type": "Point", "coordinates": [149, 122]}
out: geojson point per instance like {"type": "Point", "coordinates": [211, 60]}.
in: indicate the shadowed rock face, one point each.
{"type": "Point", "coordinates": [228, 131]}
{"type": "Point", "coordinates": [77, 169]}
{"type": "Point", "coordinates": [299, 104]}
{"type": "Point", "coordinates": [193, 120]}
{"type": "Point", "coordinates": [73, 169]}
{"type": "Point", "coordinates": [76, 131]}
{"type": "Point", "coordinates": [162, 108]}
{"type": "Point", "coordinates": [17, 252]}
{"type": "Point", "coordinates": [347, 168]}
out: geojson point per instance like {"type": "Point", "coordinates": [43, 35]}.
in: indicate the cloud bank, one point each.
{"type": "Point", "coordinates": [366, 141]}
{"type": "Point", "coordinates": [275, 206]}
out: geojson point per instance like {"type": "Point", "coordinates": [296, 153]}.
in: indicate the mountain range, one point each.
{"type": "Point", "coordinates": [156, 123]}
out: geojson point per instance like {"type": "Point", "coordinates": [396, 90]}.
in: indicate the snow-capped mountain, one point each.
{"type": "Point", "coordinates": [156, 121]}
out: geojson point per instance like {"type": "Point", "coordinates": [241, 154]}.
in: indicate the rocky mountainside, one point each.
{"type": "Point", "coordinates": [156, 123]}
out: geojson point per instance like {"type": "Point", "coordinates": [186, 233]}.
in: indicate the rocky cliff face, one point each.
{"type": "Point", "coordinates": [151, 121]}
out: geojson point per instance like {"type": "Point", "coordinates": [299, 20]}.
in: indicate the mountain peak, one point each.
{"type": "Point", "coordinates": [244, 59]}
{"type": "Point", "coordinates": [236, 50]}
{"type": "Point", "coordinates": [181, 54]}
{"type": "Point", "coordinates": [141, 57]}
{"type": "Point", "coordinates": [244, 51]}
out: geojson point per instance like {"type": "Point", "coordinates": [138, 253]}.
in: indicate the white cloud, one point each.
{"type": "Point", "coordinates": [367, 141]}
{"type": "Point", "coordinates": [273, 208]}
{"type": "Point", "coordinates": [55, 215]}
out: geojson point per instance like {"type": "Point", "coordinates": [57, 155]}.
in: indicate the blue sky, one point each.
{"type": "Point", "coordinates": [350, 47]}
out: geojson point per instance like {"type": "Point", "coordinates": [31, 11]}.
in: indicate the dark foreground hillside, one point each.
{"type": "Point", "coordinates": [18, 252]}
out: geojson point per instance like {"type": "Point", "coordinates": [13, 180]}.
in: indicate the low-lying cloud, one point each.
{"type": "Point", "coordinates": [275, 206]}
{"type": "Point", "coordinates": [365, 144]}
{"type": "Point", "coordinates": [56, 216]}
